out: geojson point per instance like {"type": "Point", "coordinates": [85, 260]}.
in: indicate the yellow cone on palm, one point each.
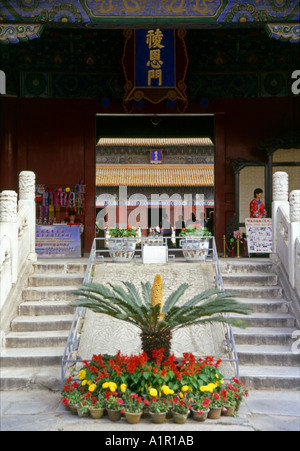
{"type": "Point", "coordinates": [157, 294]}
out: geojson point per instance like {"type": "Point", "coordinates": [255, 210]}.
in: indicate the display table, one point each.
{"type": "Point", "coordinates": [58, 240]}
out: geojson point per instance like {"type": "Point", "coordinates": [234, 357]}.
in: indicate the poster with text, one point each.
{"type": "Point", "coordinates": [57, 241]}
{"type": "Point", "coordinates": [259, 235]}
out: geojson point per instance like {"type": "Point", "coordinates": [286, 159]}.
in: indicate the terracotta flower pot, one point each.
{"type": "Point", "coordinates": [228, 411]}
{"type": "Point", "coordinates": [158, 418]}
{"type": "Point", "coordinates": [214, 413]}
{"type": "Point", "coordinates": [200, 416]}
{"type": "Point", "coordinates": [133, 418]}
{"type": "Point", "coordinates": [80, 414]}
{"type": "Point", "coordinates": [114, 415]}
{"type": "Point", "coordinates": [73, 409]}
{"type": "Point", "coordinates": [180, 418]}
{"type": "Point", "coordinates": [97, 412]}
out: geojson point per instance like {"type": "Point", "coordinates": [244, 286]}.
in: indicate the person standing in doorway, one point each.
{"type": "Point", "coordinates": [257, 208]}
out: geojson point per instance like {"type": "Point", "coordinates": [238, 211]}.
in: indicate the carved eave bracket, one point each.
{"type": "Point", "coordinates": [14, 33]}
{"type": "Point", "coordinates": [284, 31]}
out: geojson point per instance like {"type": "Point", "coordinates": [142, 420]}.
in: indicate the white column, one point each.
{"type": "Point", "coordinates": [9, 228]}
{"type": "Point", "coordinates": [27, 198]}
{"type": "Point", "coordinates": [280, 198]}
{"type": "Point", "coordinates": [294, 232]}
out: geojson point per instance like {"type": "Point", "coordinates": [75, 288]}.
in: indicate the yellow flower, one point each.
{"type": "Point", "coordinates": [153, 392]}
{"type": "Point", "coordinates": [112, 386]}
{"type": "Point", "coordinates": [211, 387]}
{"type": "Point", "coordinates": [181, 395]}
{"type": "Point", "coordinates": [216, 376]}
{"type": "Point", "coordinates": [83, 383]}
{"type": "Point", "coordinates": [171, 392]}
{"type": "Point", "coordinates": [92, 387]}
{"type": "Point", "coordinates": [105, 385]}
{"type": "Point", "coordinates": [123, 388]}
{"type": "Point", "coordinates": [185, 388]}
{"type": "Point", "coordinates": [222, 381]}
{"type": "Point", "coordinates": [82, 375]}
{"type": "Point", "coordinates": [90, 382]}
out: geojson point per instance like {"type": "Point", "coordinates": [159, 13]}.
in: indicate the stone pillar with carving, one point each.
{"type": "Point", "coordinates": [9, 229]}
{"type": "Point", "coordinates": [294, 232]}
{"type": "Point", "coordinates": [27, 199]}
{"type": "Point", "coordinates": [280, 199]}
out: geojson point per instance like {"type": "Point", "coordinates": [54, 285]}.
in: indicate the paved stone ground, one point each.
{"type": "Point", "coordinates": [41, 410]}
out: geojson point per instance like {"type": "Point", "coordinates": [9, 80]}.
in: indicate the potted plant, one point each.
{"type": "Point", "coordinates": [122, 243]}
{"type": "Point", "coordinates": [156, 319]}
{"type": "Point", "coordinates": [72, 399]}
{"type": "Point", "coordinates": [83, 407]}
{"type": "Point", "coordinates": [215, 406]}
{"type": "Point", "coordinates": [113, 406]}
{"type": "Point", "coordinates": [239, 390]}
{"type": "Point", "coordinates": [181, 405]}
{"type": "Point", "coordinates": [200, 408]}
{"type": "Point", "coordinates": [97, 406]}
{"type": "Point", "coordinates": [158, 408]}
{"type": "Point", "coordinates": [133, 408]}
{"type": "Point", "coordinates": [194, 242]}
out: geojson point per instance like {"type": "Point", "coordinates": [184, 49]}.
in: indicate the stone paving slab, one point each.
{"type": "Point", "coordinates": [41, 410]}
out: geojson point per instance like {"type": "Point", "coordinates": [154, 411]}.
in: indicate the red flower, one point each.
{"type": "Point", "coordinates": [65, 402]}
{"type": "Point", "coordinates": [206, 402]}
{"type": "Point", "coordinates": [216, 396]}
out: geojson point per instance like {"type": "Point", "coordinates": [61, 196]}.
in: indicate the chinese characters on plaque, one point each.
{"type": "Point", "coordinates": [155, 64]}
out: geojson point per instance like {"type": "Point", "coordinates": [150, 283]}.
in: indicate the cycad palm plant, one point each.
{"type": "Point", "coordinates": [157, 320]}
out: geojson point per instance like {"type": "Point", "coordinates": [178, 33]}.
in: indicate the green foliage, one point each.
{"type": "Point", "coordinates": [128, 304]}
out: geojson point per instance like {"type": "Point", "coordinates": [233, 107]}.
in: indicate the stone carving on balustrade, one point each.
{"type": "Point", "coordinates": [8, 206]}
{"type": "Point", "coordinates": [280, 186]}
{"type": "Point", "coordinates": [27, 185]}
{"type": "Point", "coordinates": [295, 206]}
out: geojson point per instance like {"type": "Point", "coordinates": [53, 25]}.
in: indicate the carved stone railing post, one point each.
{"type": "Point", "coordinates": [294, 232]}
{"type": "Point", "coordinates": [27, 198]}
{"type": "Point", "coordinates": [280, 198]}
{"type": "Point", "coordinates": [9, 228]}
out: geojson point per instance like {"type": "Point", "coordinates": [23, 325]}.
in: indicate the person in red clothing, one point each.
{"type": "Point", "coordinates": [257, 208]}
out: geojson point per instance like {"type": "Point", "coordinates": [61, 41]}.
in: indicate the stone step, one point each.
{"type": "Point", "coordinates": [267, 355]}
{"type": "Point", "coordinates": [242, 266]}
{"type": "Point", "coordinates": [263, 336]}
{"type": "Point", "coordinates": [38, 308]}
{"type": "Point", "coordinates": [60, 266]}
{"type": "Point", "coordinates": [51, 293]}
{"type": "Point", "coordinates": [251, 280]}
{"type": "Point", "coordinates": [57, 338]}
{"type": "Point", "coordinates": [41, 323]}
{"type": "Point", "coordinates": [254, 292]}
{"type": "Point", "coordinates": [268, 305]}
{"type": "Point", "coordinates": [31, 357]}
{"type": "Point", "coordinates": [266, 377]}
{"type": "Point", "coordinates": [31, 377]}
{"type": "Point", "coordinates": [52, 280]}
{"type": "Point", "coordinates": [266, 320]}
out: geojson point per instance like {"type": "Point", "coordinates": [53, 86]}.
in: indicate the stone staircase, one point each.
{"type": "Point", "coordinates": [265, 347]}
{"type": "Point", "coordinates": [36, 342]}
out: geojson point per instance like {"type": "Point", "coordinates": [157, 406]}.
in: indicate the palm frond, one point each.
{"type": "Point", "coordinates": [174, 298]}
